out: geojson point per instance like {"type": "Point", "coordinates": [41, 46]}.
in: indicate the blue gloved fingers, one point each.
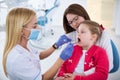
{"type": "Point", "coordinates": [62, 40]}
{"type": "Point", "coordinates": [66, 39]}
{"type": "Point", "coordinates": [67, 52]}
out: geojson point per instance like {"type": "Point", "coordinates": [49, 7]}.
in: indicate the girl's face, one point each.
{"type": "Point", "coordinates": [74, 20]}
{"type": "Point", "coordinates": [85, 37]}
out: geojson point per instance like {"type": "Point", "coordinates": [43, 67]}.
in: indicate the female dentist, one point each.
{"type": "Point", "coordinates": [20, 61]}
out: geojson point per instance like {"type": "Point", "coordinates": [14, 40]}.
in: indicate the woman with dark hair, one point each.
{"type": "Point", "coordinates": [74, 9]}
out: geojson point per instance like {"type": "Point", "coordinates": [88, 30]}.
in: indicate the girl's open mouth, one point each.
{"type": "Point", "coordinates": [79, 40]}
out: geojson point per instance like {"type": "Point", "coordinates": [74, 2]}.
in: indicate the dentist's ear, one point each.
{"type": "Point", "coordinates": [23, 31]}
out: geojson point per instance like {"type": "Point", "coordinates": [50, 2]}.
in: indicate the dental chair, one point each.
{"type": "Point", "coordinates": [116, 59]}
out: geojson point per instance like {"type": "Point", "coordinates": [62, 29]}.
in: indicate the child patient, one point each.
{"type": "Point", "coordinates": [88, 61]}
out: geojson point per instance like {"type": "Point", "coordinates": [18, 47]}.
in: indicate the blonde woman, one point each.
{"type": "Point", "coordinates": [20, 61]}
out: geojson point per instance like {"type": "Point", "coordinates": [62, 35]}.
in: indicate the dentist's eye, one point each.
{"type": "Point", "coordinates": [35, 27]}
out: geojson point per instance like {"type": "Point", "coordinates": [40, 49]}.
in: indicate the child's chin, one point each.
{"type": "Point", "coordinates": [79, 44]}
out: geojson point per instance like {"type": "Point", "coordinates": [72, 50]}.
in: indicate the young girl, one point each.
{"type": "Point", "coordinates": [88, 61]}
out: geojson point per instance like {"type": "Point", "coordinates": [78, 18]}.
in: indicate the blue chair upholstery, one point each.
{"type": "Point", "coordinates": [116, 60]}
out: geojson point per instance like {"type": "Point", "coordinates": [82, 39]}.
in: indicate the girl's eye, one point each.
{"type": "Point", "coordinates": [82, 32]}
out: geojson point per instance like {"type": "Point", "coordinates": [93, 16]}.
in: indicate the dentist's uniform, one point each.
{"type": "Point", "coordinates": [23, 65]}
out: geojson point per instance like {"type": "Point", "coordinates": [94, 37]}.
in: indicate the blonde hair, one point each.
{"type": "Point", "coordinates": [16, 19]}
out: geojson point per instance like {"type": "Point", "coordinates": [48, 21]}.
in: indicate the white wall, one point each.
{"type": "Point", "coordinates": [58, 17]}
{"type": "Point", "coordinates": [3, 13]}
{"type": "Point", "coordinates": [116, 18]}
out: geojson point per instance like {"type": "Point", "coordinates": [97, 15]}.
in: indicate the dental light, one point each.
{"type": "Point", "coordinates": [42, 20]}
{"type": "Point", "coordinates": [47, 30]}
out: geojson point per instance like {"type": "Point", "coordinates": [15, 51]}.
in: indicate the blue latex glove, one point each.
{"type": "Point", "coordinates": [62, 40]}
{"type": "Point", "coordinates": [67, 52]}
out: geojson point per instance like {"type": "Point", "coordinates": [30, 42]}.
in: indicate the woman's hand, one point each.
{"type": "Point", "coordinates": [67, 52]}
{"type": "Point", "coordinates": [69, 76]}
{"type": "Point", "coordinates": [62, 40]}
{"type": "Point", "coordinates": [59, 78]}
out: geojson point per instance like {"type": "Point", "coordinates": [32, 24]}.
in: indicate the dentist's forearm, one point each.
{"type": "Point", "coordinates": [49, 75]}
{"type": "Point", "coordinates": [46, 53]}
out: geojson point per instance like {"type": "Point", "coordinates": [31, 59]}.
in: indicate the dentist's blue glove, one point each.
{"type": "Point", "coordinates": [67, 52]}
{"type": "Point", "coordinates": [62, 40]}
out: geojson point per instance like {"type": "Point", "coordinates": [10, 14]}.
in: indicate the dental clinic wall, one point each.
{"type": "Point", "coordinates": [116, 17]}
{"type": "Point", "coordinates": [3, 13]}
{"type": "Point", "coordinates": [58, 17]}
